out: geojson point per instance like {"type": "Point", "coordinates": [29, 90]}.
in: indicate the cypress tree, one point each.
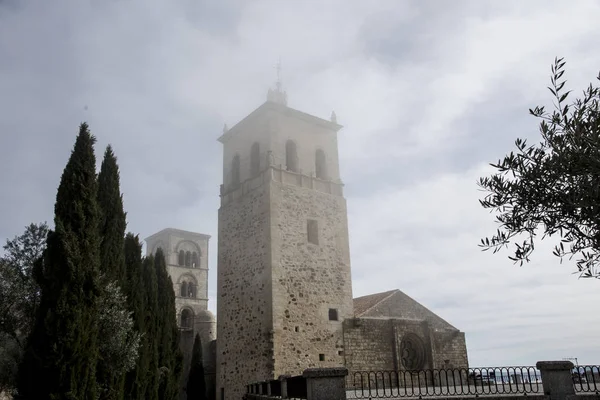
{"type": "Point", "coordinates": [112, 231]}
{"type": "Point", "coordinates": [151, 332]}
{"type": "Point", "coordinates": [112, 219]}
{"type": "Point", "coordinates": [61, 354]}
{"type": "Point", "coordinates": [196, 386]}
{"type": "Point", "coordinates": [170, 357]}
{"type": "Point", "coordinates": [136, 381]}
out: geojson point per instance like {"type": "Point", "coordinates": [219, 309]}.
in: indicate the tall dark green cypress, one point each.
{"type": "Point", "coordinates": [151, 331]}
{"type": "Point", "coordinates": [170, 357]}
{"type": "Point", "coordinates": [112, 260]}
{"type": "Point", "coordinates": [136, 381]}
{"type": "Point", "coordinates": [61, 354]}
{"type": "Point", "coordinates": [196, 386]}
{"type": "Point", "coordinates": [112, 219]}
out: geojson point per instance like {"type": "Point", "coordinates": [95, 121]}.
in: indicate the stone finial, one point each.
{"type": "Point", "coordinates": [225, 128]}
{"type": "Point", "coordinates": [333, 117]}
{"type": "Point", "coordinates": [277, 96]}
{"type": "Point", "coordinates": [270, 158]}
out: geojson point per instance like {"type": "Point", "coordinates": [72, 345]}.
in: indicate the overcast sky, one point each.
{"type": "Point", "coordinates": [429, 92]}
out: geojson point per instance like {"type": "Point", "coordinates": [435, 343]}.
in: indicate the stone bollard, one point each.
{"type": "Point", "coordinates": [325, 383]}
{"type": "Point", "coordinates": [557, 380]}
{"type": "Point", "coordinates": [284, 391]}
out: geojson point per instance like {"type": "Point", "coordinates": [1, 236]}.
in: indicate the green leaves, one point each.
{"type": "Point", "coordinates": [552, 187]}
{"type": "Point", "coordinates": [62, 349]}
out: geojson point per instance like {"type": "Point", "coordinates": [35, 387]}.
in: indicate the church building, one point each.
{"type": "Point", "coordinates": [284, 287]}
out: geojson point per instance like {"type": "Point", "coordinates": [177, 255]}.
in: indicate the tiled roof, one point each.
{"type": "Point", "coordinates": [364, 303]}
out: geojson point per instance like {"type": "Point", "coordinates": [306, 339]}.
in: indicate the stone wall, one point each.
{"type": "Point", "coordinates": [245, 338]}
{"type": "Point", "coordinates": [449, 349]}
{"type": "Point", "coordinates": [368, 345]}
{"type": "Point", "coordinates": [308, 279]}
{"type": "Point", "coordinates": [376, 344]}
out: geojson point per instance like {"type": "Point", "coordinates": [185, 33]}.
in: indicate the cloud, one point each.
{"type": "Point", "coordinates": [428, 92]}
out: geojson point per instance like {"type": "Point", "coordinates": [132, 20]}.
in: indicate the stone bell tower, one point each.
{"type": "Point", "coordinates": [284, 284]}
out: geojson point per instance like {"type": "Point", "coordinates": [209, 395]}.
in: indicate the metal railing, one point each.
{"type": "Point", "coordinates": [444, 382]}
{"type": "Point", "coordinates": [586, 379]}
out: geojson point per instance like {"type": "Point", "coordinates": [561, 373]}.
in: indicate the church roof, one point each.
{"type": "Point", "coordinates": [282, 109]}
{"type": "Point", "coordinates": [365, 303]}
{"type": "Point", "coordinates": [397, 304]}
{"type": "Point", "coordinates": [177, 231]}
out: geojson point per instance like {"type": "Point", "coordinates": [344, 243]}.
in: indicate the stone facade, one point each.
{"type": "Point", "coordinates": [284, 283]}
{"type": "Point", "coordinates": [393, 332]}
{"type": "Point", "coordinates": [186, 255]}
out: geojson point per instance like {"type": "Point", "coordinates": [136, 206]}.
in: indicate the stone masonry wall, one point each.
{"type": "Point", "coordinates": [368, 345]}
{"type": "Point", "coordinates": [449, 350]}
{"type": "Point", "coordinates": [244, 345]}
{"type": "Point", "coordinates": [308, 279]}
{"type": "Point", "coordinates": [373, 344]}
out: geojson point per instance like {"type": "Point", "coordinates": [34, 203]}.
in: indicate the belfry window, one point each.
{"type": "Point", "coordinates": [188, 259]}
{"type": "Point", "coordinates": [186, 318]}
{"type": "Point", "coordinates": [291, 156]}
{"type": "Point", "coordinates": [320, 164]}
{"type": "Point", "coordinates": [235, 170]}
{"type": "Point", "coordinates": [191, 291]}
{"type": "Point", "coordinates": [195, 260]}
{"type": "Point", "coordinates": [181, 258]}
{"type": "Point", "coordinates": [184, 289]}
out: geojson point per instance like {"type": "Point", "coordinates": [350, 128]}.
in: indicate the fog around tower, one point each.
{"type": "Point", "coordinates": [428, 92]}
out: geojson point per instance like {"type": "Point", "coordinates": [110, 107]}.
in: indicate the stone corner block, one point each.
{"type": "Point", "coordinates": [325, 372]}
{"type": "Point", "coordinates": [554, 365]}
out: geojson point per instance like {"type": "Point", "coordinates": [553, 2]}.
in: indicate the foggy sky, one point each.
{"type": "Point", "coordinates": [429, 93]}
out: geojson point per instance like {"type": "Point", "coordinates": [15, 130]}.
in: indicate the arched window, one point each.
{"type": "Point", "coordinates": [255, 159]}
{"type": "Point", "coordinates": [188, 259]}
{"type": "Point", "coordinates": [320, 164]}
{"type": "Point", "coordinates": [186, 318]}
{"type": "Point", "coordinates": [184, 289]}
{"type": "Point", "coordinates": [195, 261]}
{"type": "Point", "coordinates": [191, 290]}
{"type": "Point", "coordinates": [291, 156]}
{"type": "Point", "coordinates": [181, 258]}
{"type": "Point", "coordinates": [235, 170]}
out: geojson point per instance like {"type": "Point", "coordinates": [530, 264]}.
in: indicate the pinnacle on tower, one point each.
{"type": "Point", "coordinates": [277, 95]}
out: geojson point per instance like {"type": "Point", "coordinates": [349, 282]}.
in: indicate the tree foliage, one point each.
{"type": "Point", "coordinates": [119, 341]}
{"type": "Point", "coordinates": [136, 381]}
{"type": "Point", "coordinates": [170, 358]}
{"type": "Point", "coordinates": [19, 292]}
{"type": "Point", "coordinates": [62, 349]}
{"type": "Point", "coordinates": [152, 328]}
{"type": "Point", "coordinates": [118, 349]}
{"type": "Point", "coordinates": [84, 297]}
{"type": "Point", "coordinates": [19, 298]}
{"type": "Point", "coordinates": [196, 386]}
{"type": "Point", "coordinates": [112, 219]}
{"type": "Point", "coordinates": [11, 353]}
{"type": "Point", "coordinates": [552, 188]}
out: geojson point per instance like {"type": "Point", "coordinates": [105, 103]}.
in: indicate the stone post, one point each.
{"type": "Point", "coordinates": [556, 378]}
{"type": "Point", "coordinates": [325, 383]}
{"type": "Point", "coordinates": [284, 388]}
